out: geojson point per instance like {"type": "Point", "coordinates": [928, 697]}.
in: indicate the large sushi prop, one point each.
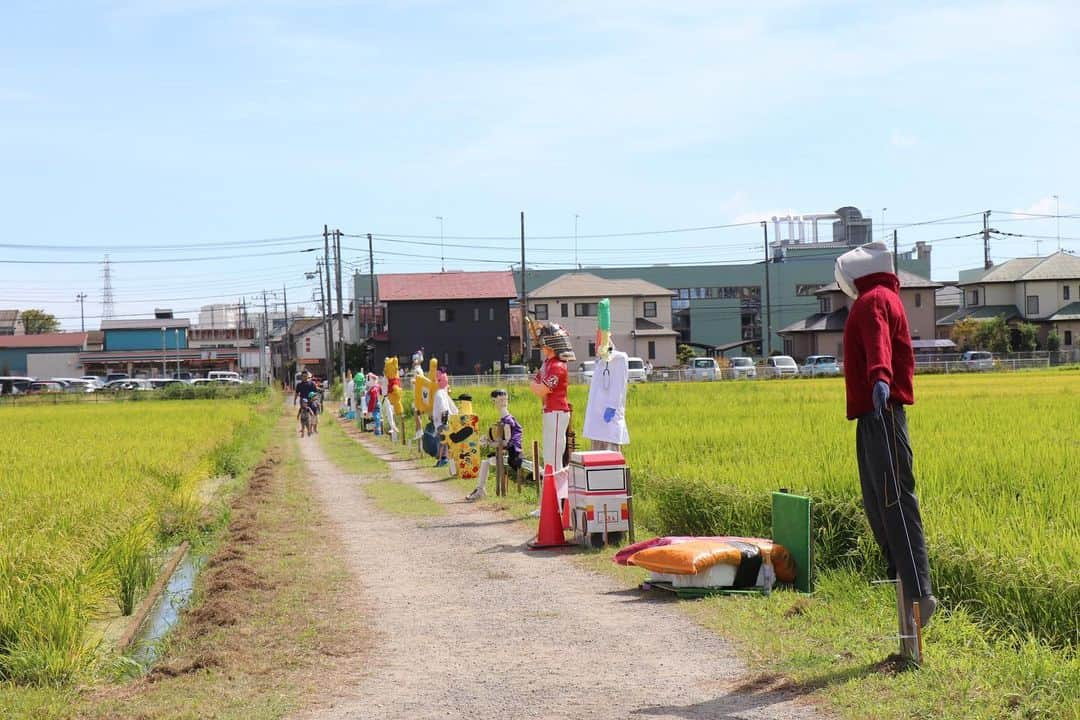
{"type": "Point", "coordinates": [697, 566]}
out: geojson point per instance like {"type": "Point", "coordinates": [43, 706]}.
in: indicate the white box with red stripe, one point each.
{"type": "Point", "coordinates": [599, 497]}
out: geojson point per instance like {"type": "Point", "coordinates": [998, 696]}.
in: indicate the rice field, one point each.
{"type": "Point", "coordinates": [997, 462]}
{"type": "Point", "coordinates": [91, 493]}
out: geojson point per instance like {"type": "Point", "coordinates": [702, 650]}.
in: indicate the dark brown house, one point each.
{"type": "Point", "coordinates": [460, 318]}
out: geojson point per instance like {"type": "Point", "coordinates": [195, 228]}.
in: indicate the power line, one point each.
{"type": "Point", "coordinates": [155, 260]}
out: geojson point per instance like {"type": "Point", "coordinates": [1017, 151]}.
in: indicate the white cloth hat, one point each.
{"type": "Point", "coordinates": [862, 261]}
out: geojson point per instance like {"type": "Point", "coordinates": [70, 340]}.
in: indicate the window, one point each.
{"type": "Point", "coordinates": [652, 349]}
{"type": "Point", "coordinates": [1032, 304]}
{"type": "Point", "coordinates": [650, 309]}
{"type": "Point", "coordinates": [1068, 337]}
{"type": "Point", "coordinates": [476, 314]}
{"type": "Point", "coordinates": [307, 344]}
{"type": "Point", "coordinates": [789, 346]}
{"type": "Point", "coordinates": [446, 315]}
{"type": "Point", "coordinates": [592, 349]}
{"type": "Point", "coordinates": [584, 309]}
{"type": "Point", "coordinates": [565, 310]}
{"type": "Point", "coordinates": [806, 290]}
{"type": "Point", "coordinates": [540, 311]}
{"type": "Point", "coordinates": [1064, 292]}
{"type": "Point", "coordinates": [918, 299]}
{"type": "Point", "coordinates": [491, 314]}
{"type": "Point", "coordinates": [825, 304]}
{"type": "Point", "coordinates": [973, 297]}
{"type": "Point", "coordinates": [684, 293]}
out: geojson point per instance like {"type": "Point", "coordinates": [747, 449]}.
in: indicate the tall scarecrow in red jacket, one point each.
{"type": "Point", "coordinates": [878, 367]}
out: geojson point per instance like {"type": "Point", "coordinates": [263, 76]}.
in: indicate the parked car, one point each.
{"type": "Point", "coordinates": [224, 375]}
{"type": "Point", "coordinates": [743, 367]}
{"type": "Point", "coordinates": [45, 386]}
{"type": "Point", "coordinates": [703, 368]}
{"type": "Point", "coordinates": [158, 383]}
{"type": "Point", "coordinates": [819, 365]}
{"type": "Point", "coordinates": [781, 366]}
{"type": "Point", "coordinates": [77, 385]}
{"type": "Point", "coordinates": [127, 385]}
{"type": "Point", "coordinates": [636, 370]}
{"type": "Point", "coordinates": [116, 376]}
{"type": "Point", "coordinates": [97, 380]}
{"type": "Point", "coordinates": [978, 360]}
{"type": "Point", "coordinates": [14, 384]}
{"type": "Point", "coordinates": [585, 369]}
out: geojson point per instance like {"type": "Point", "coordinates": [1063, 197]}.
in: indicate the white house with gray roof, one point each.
{"type": "Point", "coordinates": [1044, 291]}
{"type": "Point", "coordinates": [640, 315]}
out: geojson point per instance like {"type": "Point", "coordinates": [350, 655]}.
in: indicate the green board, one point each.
{"type": "Point", "coordinates": [791, 528]}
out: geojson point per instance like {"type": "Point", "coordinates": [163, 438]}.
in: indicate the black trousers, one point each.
{"type": "Point", "coordinates": [888, 492]}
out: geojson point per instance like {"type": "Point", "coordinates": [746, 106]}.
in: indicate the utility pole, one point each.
{"type": "Point", "coordinates": [82, 317]}
{"type": "Point", "coordinates": [1057, 215]}
{"type": "Point", "coordinates": [287, 350]}
{"type": "Point", "coordinates": [987, 264]}
{"type": "Point", "coordinates": [328, 298]}
{"type": "Point", "coordinates": [340, 309]}
{"type": "Point", "coordinates": [371, 289]}
{"type": "Point", "coordinates": [237, 335]}
{"type": "Point", "coordinates": [768, 293]}
{"type": "Point", "coordinates": [322, 311]}
{"type": "Point", "coordinates": [524, 299]}
{"type": "Point", "coordinates": [895, 253]}
{"type": "Point", "coordinates": [243, 312]}
{"type": "Point", "coordinates": [265, 342]}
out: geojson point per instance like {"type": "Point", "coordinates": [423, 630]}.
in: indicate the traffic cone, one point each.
{"type": "Point", "coordinates": [550, 533]}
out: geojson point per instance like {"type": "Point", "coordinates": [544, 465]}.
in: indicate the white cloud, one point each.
{"type": "Point", "coordinates": [1046, 206]}
{"type": "Point", "coordinates": [900, 139]}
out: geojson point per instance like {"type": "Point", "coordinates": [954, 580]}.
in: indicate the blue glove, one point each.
{"type": "Point", "coordinates": [609, 414]}
{"type": "Point", "coordinates": [881, 395]}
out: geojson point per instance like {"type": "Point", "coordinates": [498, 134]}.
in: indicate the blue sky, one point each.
{"type": "Point", "coordinates": [194, 123]}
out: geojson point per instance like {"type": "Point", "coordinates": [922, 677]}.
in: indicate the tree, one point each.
{"type": "Point", "coordinates": [993, 335]}
{"type": "Point", "coordinates": [36, 322]}
{"type": "Point", "coordinates": [1029, 337]}
{"type": "Point", "coordinates": [964, 334]}
{"type": "Point", "coordinates": [1053, 341]}
{"type": "Point", "coordinates": [684, 353]}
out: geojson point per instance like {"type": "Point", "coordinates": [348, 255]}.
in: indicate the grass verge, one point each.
{"type": "Point", "coordinates": [834, 647]}
{"type": "Point", "coordinates": [258, 639]}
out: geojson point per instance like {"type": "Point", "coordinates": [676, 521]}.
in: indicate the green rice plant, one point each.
{"type": "Point", "coordinates": [130, 557]}
{"type": "Point", "coordinates": [88, 493]}
{"type": "Point", "coordinates": [995, 465]}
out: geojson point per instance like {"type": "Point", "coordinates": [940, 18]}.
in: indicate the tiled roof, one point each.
{"type": "Point", "coordinates": [1069, 312]}
{"type": "Point", "coordinates": [981, 312]}
{"type": "Point", "coordinates": [586, 285]}
{"type": "Point", "coordinates": [299, 327]}
{"type": "Point", "coordinates": [1059, 266]}
{"type": "Point", "coordinates": [819, 322]}
{"type": "Point", "coordinates": [44, 340]}
{"type": "Point", "coordinates": [455, 285]}
{"type": "Point", "coordinates": [907, 280]}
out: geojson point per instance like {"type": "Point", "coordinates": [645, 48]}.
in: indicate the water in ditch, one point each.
{"type": "Point", "coordinates": [165, 613]}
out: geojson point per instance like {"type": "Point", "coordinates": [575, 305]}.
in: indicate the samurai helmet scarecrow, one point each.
{"type": "Point", "coordinates": [552, 335]}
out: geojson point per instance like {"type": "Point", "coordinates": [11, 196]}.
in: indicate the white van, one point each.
{"type": "Point", "coordinates": [636, 370]}
{"type": "Point", "coordinates": [226, 375]}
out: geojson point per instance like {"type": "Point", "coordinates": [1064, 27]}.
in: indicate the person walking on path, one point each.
{"type": "Point", "coordinates": [879, 365]}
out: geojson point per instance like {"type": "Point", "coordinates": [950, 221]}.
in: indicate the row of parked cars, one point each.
{"type": "Point", "coordinates": [707, 368]}
{"type": "Point", "coordinates": [114, 382]}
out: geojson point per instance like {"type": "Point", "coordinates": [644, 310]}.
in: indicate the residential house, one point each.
{"type": "Point", "coordinates": [460, 318]}
{"type": "Point", "coordinates": [640, 314]}
{"type": "Point", "coordinates": [1044, 291]}
{"type": "Point", "coordinates": [10, 323]}
{"type": "Point", "coordinates": [45, 355]}
{"type": "Point", "coordinates": [823, 332]}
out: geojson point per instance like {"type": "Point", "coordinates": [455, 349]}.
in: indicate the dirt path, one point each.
{"type": "Point", "coordinates": [470, 624]}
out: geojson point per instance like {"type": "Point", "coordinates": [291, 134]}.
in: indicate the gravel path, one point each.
{"type": "Point", "coordinates": [470, 624]}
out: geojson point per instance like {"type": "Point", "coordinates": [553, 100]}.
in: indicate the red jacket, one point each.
{"type": "Point", "coordinates": [877, 345]}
